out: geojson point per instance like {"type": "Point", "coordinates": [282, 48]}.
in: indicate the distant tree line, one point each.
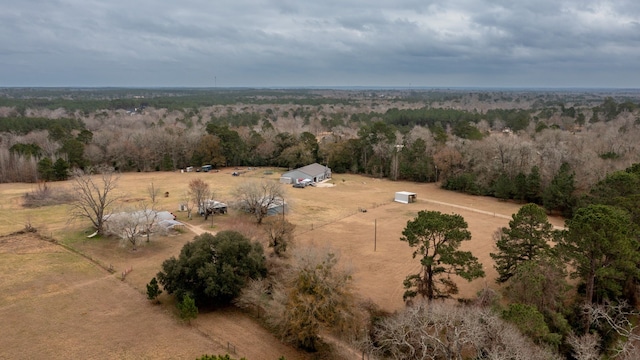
{"type": "Point", "coordinates": [545, 152]}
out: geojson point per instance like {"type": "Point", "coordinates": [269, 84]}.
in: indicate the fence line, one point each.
{"type": "Point", "coordinates": [314, 226]}
{"type": "Point", "coordinates": [52, 240]}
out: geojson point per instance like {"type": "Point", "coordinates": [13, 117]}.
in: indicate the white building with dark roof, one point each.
{"type": "Point", "coordinates": [314, 172]}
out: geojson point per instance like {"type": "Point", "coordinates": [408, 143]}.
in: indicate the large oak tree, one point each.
{"type": "Point", "coordinates": [213, 269]}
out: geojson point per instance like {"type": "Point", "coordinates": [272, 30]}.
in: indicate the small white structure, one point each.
{"type": "Point", "coordinates": [405, 197]}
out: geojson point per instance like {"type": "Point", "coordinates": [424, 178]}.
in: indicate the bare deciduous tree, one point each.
{"type": "Point", "coordinates": [446, 161]}
{"type": "Point", "coordinates": [440, 331]}
{"type": "Point", "coordinates": [616, 318]}
{"type": "Point", "coordinates": [585, 347]}
{"type": "Point", "coordinates": [153, 193]}
{"type": "Point", "coordinates": [149, 210]}
{"type": "Point", "coordinates": [318, 295]}
{"type": "Point", "coordinates": [149, 217]}
{"type": "Point", "coordinates": [199, 192]}
{"type": "Point", "coordinates": [313, 295]}
{"type": "Point", "coordinates": [94, 195]}
{"type": "Point", "coordinates": [188, 203]}
{"type": "Point", "coordinates": [280, 235]}
{"type": "Point", "coordinates": [257, 197]}
{"type": "Point", "coordinates": [128, 226]}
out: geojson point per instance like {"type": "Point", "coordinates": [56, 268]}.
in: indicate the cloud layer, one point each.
{"type": "Point", "coordinates": [499, 43]}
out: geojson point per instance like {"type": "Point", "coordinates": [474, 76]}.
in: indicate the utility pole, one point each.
{"type": "Point", "coordinates": [395, 170]}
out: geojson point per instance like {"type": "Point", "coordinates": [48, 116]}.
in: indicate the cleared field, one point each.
{"type": "Point", "coordinates": [56, 303]}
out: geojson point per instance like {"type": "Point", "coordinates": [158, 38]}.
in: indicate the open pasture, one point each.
{"type": "Point", "coordinates": [57, 303]}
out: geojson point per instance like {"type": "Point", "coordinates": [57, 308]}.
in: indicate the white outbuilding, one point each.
{"type": "Point", "coordinates": [405, 197]}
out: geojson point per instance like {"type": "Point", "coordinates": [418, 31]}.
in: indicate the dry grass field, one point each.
{"type": "Point", "coordinates": [58, 304]}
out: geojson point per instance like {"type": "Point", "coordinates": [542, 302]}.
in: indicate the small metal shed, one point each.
{"type": "Point", "coordinates": [405, 197]}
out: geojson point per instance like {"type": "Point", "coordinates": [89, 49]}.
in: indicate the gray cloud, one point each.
{"type": "Point", "coordinates": [546, 43]}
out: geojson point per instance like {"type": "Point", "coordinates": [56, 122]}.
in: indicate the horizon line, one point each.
{"type": "Point", "coordinates": [336, 87]}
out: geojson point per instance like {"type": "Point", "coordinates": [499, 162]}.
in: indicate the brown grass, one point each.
{"type": "Point", "coordinates": [61, 305]}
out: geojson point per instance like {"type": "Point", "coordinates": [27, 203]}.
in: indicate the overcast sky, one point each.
{"type": "Point", "coordinates": [270, 43]}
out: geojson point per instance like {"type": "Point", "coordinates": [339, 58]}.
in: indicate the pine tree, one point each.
{"type": "Point", "coordinates": [503, 188]}
{"type": "Point", "coordinates": [520, 187]}
{"type": "Point", "coordinates": [534, 187]}
{"type": "Point", "coordinates": [153, 290]}
{"type": "Point", "coordinates": [601, 244]}
{"type": "Point", "coordinates": [558, 195]}
{"type": "Point", "coordinates": [45, 169]}
{"type": "Point", "coordinates": [436, 238]}
{"type": "Point", "coordinates": [527, 236]}
{"type": "Point", "coordinates": [61, 169]}
{"type": "Point", "coordinates": [188, 309]}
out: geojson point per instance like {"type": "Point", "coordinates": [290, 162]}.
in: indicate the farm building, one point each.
{"type": "Point", "coordinates": [314, 172]}
{"type": "Point", "coordinates": [405, 197]}
{"type": "Point", "coordinates": [212, 207]}
{"type": "Point", "coordinates": [140, 220]}
{"type": "Point", "coordinates": [274, 206]}
{"type": "Point", "coordinates": [277, 207]}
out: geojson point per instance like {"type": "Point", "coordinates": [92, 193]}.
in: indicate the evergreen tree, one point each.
{"type": "Point", "coordinates": [153, 290]}
{"type": "Point", "coordinates": [620, 189]}
{"type": "Point", "coordinates": [601, 244]}
{"type": "Point", "coordinates": [188, 309]}
{"type": "Point", "coordinates": [74, 150]}
{"type": "Point", "coordinates": [558, 196]}
{"type": "Point", "coordinates": [61, 169]}
{"type": "Point", "coordinates": [503, 188]}
{"type": "Point", "coordinates": [520, 187]}
{"type": "Point", "coordinates": [213, 269]}
{"type": "Point", "coordinates": [540, 282]}
{"type": "Point", "coordinates": [527, 236]}
{"type": "Point", "coordinates": [46, 170]}
{"type": "Point", "coordinates": [531, 322]}
{"type": "Point", "coordinates": [534, 187]}
{"type": "Point", "coordinates": [437, 237]}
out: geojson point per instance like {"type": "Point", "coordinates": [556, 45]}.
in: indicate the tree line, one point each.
{"type": "Point", "coordinates": [517, 153]}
